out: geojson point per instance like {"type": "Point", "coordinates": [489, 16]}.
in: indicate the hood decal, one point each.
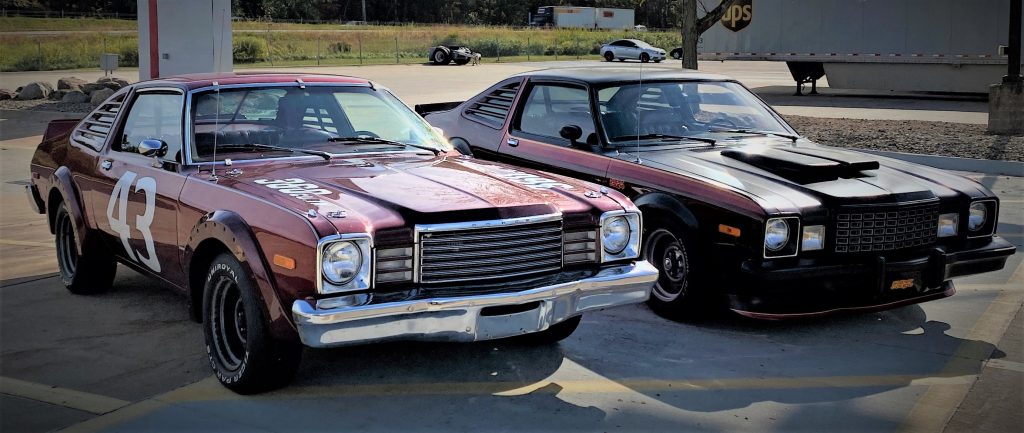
{"type": "Point", "coordinates": [299, 188]}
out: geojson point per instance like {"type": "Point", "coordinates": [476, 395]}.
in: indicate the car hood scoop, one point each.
{"type": "Point", "coordinates": [804, 165]}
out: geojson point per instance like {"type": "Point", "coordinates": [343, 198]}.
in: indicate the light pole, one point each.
{"type": "Point", "coordinates": [1013, 49]}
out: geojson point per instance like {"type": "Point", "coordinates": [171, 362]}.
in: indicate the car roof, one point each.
{"type": "Point", "coordinates": [196, 81]}
{"type": "Point", "coordinates": [611, 74]}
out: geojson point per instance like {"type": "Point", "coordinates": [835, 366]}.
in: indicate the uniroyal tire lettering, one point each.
{"type": "Point", "coordinates": [119, 222]}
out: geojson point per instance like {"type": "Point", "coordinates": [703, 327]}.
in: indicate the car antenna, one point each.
{"type": "Point", "coordinates": [216, 129]}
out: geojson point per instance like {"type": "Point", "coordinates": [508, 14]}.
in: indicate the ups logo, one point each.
{"type": "Point", "coordinates": [738, 16]}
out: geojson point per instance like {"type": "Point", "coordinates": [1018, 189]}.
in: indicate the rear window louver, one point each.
{"type": "Point", "coordinates": [493, 108]}
{"type": "Point", "coordinates": [93, 130]}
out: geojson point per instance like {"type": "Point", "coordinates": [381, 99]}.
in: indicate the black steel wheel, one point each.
{"type": "Point", "coordinates": [82, 272]}
{"type": "Point", "coordinates": [677, 294]}
{"type": "Point", "coordinates": [244, 356]}
{"type": "Point", "coordinates": [608, 56]}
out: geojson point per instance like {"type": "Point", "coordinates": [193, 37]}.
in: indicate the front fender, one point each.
{"type": "Point", "coordinates": [667, 204]}
{"type": "Point", "coordinates": [232, 231]}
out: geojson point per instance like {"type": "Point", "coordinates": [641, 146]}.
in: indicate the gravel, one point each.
{"type": "Point", "coordinates": [910, 136]}
{"type": "Point", "coordinates": [47, 105]}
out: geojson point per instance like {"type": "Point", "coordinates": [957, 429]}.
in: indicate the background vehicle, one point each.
{"type": "Point", "coordinates": [737, 206]}
{"type": "Point", "coordinates": [632, 49]}
{"type": "Point", "coordinates": [582, 17]}
{"type": "Point", "coordinates": [935, 46]}
{"type": "Point", "coordinates": [443, 55]}
{"type": "Point", "coordinates": [320, 210]}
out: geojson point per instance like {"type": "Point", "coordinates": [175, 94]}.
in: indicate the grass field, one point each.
{"type": "Point", "coordinates": [271, 44]}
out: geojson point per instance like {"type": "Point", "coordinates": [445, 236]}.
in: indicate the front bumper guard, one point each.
{"type": "Point", "coordinates": [474, 318]}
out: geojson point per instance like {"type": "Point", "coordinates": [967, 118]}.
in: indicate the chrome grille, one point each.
{"type": "Point", "coordinates": [489, 250]}
{"type": "Point", "coordinates": [885, 228]}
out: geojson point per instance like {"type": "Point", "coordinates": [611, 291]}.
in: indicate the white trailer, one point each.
{"type": "Point", "coordinates": [583, 17]}
{"type": "Point", "coordinates": [905, 45]}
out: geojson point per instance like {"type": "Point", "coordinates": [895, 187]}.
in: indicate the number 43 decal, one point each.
{"type": "Point", "coordinates": [119, 223]}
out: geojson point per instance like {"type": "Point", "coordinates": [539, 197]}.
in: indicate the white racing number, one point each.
{"type": "Point", "coordinates": [119, 222]}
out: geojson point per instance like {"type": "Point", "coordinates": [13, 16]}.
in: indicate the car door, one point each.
{"type": "Point", "coordinates": [533, 140]}
{"type": "Point", "coordinates": [629, 50]}
{"type": "Point", "coordinates": [136, 201]}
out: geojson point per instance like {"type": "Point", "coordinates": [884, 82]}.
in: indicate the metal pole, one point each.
{"type": "Point", "coordinates": [396, 49]}
{"type": "Point", "coordinates": [318, 50]}
{"type": "Point", "coordinates": [1013, 54]}
{"type": "Point", "coordinates": [527, 48]}
{"type": "Point", "coordinates": [577, 39]}
{"type": "Point", "coordinates": [364, 12]}
{"type": "Point", "coordinates": [497, 48]}
{"type": "Point", "coordinates": [360, 36]}
{"type": "Point", "coordinates": [270, 49]}
{"type": "Point", "coordinates": [39, 50]}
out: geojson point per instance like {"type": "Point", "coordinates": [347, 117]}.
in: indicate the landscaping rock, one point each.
{"type": "Point", "coordinates": [97, 97]}
{"type": "Point", "coordinates": [57, 95]}
{"type": "Point", "coordinates": [76, 97]}
{"type": "Point", "coordinates": [88, 88]}
{"type": "Point", "coordinates": [113, 83]}
{"type": "Point", "coordinates": [7, 94]}
{"type": "Point", "coordinates": [36, 90]}
{"type": "Point", "coordinates": [70, 83]}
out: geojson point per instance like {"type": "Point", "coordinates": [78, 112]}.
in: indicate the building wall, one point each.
{"type": "Point", "coordinates": [189, 36]}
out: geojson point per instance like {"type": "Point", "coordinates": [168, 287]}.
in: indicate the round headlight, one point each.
{"type": "Point", "coordinates": [977, 217]}
{"type": "Point", "coordinates": [341, 262]}
{"type": "Point", "coordinates": [615, 234]}
{"type": "Point", "coordinates": [776, 234]}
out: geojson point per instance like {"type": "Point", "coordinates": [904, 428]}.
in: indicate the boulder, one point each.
{"type": "Point", "coordinates": [97, 97]}
{"type": "Point", "coordinates": [88, 88]}
{"type": "Point", "coordinates": [7, 94]}
{"type": "Point", "coordinates": [57, 95]}
{"type": "Point", "coordinates": [76, 97]}
{"type": "Point", "coordinates": [113, 83]}
{"type": "Point", "coordinates": [36, 90]}
{"type": "Point", "coordinates": [70, 83]}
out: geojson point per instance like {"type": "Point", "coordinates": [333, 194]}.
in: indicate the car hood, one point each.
{"type": "Point", "coordinates": [794, 177]}
{"type": "Point", "coordinates": [400, 190]}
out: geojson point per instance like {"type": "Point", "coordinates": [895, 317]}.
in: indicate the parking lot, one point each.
{"type": "Point", "coordinates": [130, 360]}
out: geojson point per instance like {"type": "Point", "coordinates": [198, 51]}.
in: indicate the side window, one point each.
{"type": "Point", "coordinates": [549, 107]}
{"type": "Point", "coordinates": [154, 116]}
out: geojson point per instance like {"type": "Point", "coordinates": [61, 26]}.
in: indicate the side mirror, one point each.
{"type": "Point", "coordinates": [152, 147]}
{"type": "Point", "coordinates": [573, 134]}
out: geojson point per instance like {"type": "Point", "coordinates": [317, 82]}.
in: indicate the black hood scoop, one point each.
{"type": "Point", "coordinates": [804, 165]}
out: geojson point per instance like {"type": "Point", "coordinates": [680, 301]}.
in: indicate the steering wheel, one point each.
{"type": "Point", "coordinates": [370, 134]}
{"type": "Point", "coordinates": [721, 121]}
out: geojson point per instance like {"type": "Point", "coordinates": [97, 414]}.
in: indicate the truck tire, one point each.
{"type": "Point", "coordinates": [84, 272]}
{"type": "Point", "coordinates": [441, 56]}
{"type": "Point", "coordinates": [608, 56]}
{"type": "Point", "coordinates": [552, 335]}
{"type": "Point", "coordinates": [678, 293]}
{"type": "Point", "coordinates": [243, 355]}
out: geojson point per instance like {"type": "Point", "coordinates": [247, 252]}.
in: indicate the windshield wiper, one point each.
{"type": "Point", "coordinates": [792, 137]}
{"type": "Point", "coordinates": [242, 146]}
{"type": "Point", "coordinates": [622, 138]}
{"type": "Point", "coordinates": [378, 140]}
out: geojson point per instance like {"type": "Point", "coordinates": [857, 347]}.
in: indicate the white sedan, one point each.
{"type": "Point", "coordinates": [623, 49]}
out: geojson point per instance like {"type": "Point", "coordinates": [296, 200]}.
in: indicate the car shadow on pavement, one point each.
{"type": "Point", "coordinates": [731, 362]}
{"type": "Point", "coordinates": [838, 98]}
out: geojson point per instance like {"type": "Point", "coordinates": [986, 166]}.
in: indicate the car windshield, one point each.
{"type": "Point", "coordinates": [272, 122]}
{"type": "Point", "coordinates": [659, 110]}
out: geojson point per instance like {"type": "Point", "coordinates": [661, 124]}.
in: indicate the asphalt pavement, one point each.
{"type": "Point", "coordinates": [129, 360]}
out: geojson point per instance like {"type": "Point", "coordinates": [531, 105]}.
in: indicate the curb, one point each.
{"type": "Point", "coordinates": [987, 166]}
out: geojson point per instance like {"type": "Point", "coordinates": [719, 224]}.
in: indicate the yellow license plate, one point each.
{"type": "Point", "coordinates": [902, 284]}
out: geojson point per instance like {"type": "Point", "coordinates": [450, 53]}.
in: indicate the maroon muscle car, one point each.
{"type": "Point", "coordinates": [321, 210]}
{"type": "Point", "coordinates": [735, 202]}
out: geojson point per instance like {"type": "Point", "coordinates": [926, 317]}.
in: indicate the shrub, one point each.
{"type": "Point", "coordinates": [248, 49]}
{"type": "Point", "coordinates": [339, 47]}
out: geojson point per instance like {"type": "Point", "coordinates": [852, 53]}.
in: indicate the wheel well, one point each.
{"type": "Point", "coordinates": [52, 202]}
{"type": "Point", "coordinates": [204, 254]}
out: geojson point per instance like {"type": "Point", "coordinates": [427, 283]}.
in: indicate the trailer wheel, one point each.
{"type": "Point", "coordinates": [441, 56]}
{"type": "Point", "coordinates": [608, 56]}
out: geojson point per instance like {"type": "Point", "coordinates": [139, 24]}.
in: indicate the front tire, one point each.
{"type": "Point", "coordinates": [644, 57]}
{"type": "Point", "coordinates": [552, 335]}
{"type": "Point", "coordinates": [608, 56]}
{"type": "Point", "coordinates": [243, 355]}
{"type": "Point", "coordinates": [678, 294]}
{"type": "Point", "coordinates": [88, 272]}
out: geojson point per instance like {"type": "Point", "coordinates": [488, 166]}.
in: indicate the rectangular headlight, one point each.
{"type": "Point", "coordinates": [620, 235]}
{"type": "Point", "coordinates": [948, 223]}
{"type": "Point", "coordinates": [344, 263]}
{"type": "Point", "coordinates": [813, 238]}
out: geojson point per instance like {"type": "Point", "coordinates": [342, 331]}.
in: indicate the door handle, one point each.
{"type": "Point", "coordinates": [512, 142]}
{"type": "Point", "coordinates": [107, 164]}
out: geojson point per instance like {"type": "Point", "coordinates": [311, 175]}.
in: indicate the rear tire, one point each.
{"type": "Point", "coordinates": [679, 293]}
{"type": "Point", "coordinates": [244, 356]}
{"type": "Point", "coordinates": [441, 56]}
{"type": "Point", "coordinates": [552, 335]}
{"type": "Point", "coordinates": [608, 56]}
{"type": "Point", "coordinates": [88, 272]}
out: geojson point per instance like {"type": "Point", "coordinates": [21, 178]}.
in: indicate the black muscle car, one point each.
{"type": "Point", "coordinates": [737, 206]}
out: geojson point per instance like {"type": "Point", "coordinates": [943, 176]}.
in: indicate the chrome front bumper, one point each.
{"type": "Point", "coordinates": [467, 318]}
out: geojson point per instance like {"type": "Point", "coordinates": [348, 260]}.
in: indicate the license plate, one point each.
{"type": "Point", "coordinates": [906, 283]}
